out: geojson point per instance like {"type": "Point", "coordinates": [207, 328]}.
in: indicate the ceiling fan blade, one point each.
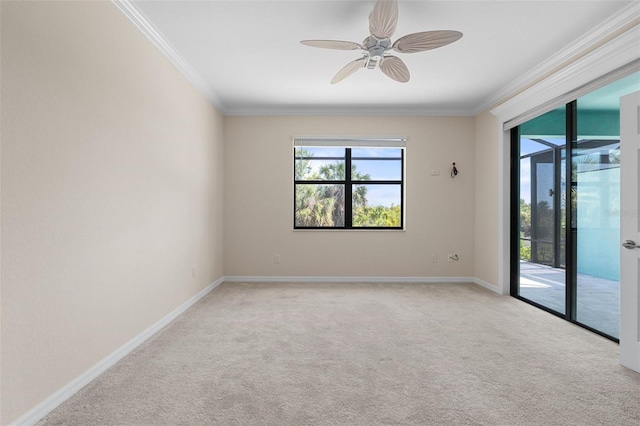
{"type": "Point", "coordinates": [384, 18]}
{"type": "Point", "coordinates": [395, 68]}
{"type": "Point", "coordinates": [332, 44]}
{"type": "Point", "coordinates": [427, 40]}
{"type": "Point", "coordinates": [347, 70]}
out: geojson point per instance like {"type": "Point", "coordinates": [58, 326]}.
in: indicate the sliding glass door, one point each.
{"type": "Point", "coordinates": [566, 237]}
{"type": "Point", "coordinates": [595, 169]}
{"type": "Point", "coordinates": [540, 143]}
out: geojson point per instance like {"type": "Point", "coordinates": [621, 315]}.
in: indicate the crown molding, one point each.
{"type": "Point", "coordinates": [143, 24]}
{"type": "Point", "coordinates": [618, 54]}
{"type": "Point", "coordinates": [623, 21]}
{"type": "Point", "coordinates": [390, 111]}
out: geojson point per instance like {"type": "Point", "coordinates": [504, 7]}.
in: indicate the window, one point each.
{"type": "Point", "coordinates": [348, 184]}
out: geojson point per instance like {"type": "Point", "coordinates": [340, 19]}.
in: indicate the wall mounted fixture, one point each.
{"type": "Point", "coordinates": [454, 171]}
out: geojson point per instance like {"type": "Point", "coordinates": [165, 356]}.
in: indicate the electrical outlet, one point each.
{"type": "Point", "coordinates": [434, 258]}
{"type": "Point", "coordinates": [276, 258]}
{"type": "Point", "coordinates": [453, 258]}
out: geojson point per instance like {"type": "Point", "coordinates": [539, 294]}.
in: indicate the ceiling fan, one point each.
{"type": "Point", "coordinates": [382, 25]}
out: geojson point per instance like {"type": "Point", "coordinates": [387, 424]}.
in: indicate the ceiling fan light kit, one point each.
{"type": "Point", "coordinates": [382, 25]}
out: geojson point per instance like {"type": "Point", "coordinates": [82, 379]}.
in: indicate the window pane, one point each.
{"type": "Point", "coordinates": [376, 152]}
{"type": "Point", "coordinates": [319, 205]}
{"type": "Point", "coordinates": [549, 127]}
{"type": "Point", "coordinates": [528, 146]}
{"type": "Point", "coordinates": [320, 152]}
{"type": "Point", "coordinates": [377, 205]}
{"type": "Point", "coordinates": [376, 170]}
{"type": "Point", "coordinates": [319, 169]}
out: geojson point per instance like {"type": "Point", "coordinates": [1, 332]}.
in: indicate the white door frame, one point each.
{"type": "Point", "coordinates": [629, 230]}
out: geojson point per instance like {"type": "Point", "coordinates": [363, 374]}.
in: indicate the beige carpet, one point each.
{"type": "Point", "coordinates": [362, 354]}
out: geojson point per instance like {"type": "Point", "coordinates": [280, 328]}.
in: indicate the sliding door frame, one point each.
{"type": "Point", "coordinates": [514, 227]}
{"type": "Point", "coordinates": [571, 228]}
{"type": "Point", "coordinates": [514, 214]}
{"type": "Point", "coordinates": [571, 237]}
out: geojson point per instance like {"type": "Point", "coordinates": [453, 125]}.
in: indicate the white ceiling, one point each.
{"type": "Point", "coordinates": [250, 61]}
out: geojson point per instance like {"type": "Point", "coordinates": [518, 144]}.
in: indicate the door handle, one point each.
{"type": "Point", "coordinates": [629, 245]}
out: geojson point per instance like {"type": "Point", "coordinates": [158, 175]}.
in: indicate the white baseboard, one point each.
{"type": "Point", "coordinates": [315, 279]}
{"type": "Point", "coordinates": [486, 285]}
{"type": "Point", "coordinates": [323, 279]}
{"type": "Point", "coordinates": [48, 405]}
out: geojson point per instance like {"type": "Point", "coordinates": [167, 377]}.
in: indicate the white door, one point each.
{"type": "Point", "coordinates": [630, 231]}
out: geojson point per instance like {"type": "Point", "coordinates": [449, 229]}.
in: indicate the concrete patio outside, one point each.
{"type": "Point", "coordinates": [598, 299]}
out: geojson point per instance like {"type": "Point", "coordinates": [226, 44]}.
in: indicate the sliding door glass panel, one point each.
{"type": "Point", "coordinates": [541, 188]}
{"type": "Point", "coordinates": [596, 175]}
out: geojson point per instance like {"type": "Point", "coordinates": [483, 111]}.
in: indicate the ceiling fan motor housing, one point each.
{"type": "Point", "coordinates": [376, 47]}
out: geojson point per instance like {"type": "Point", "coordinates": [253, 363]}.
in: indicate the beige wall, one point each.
{"type": "Point", "coordinates": [258, 201]}
{"type": "Point", "coordinates": [111, 192]}
{"type": "Point", "coordinates": [487, 169]}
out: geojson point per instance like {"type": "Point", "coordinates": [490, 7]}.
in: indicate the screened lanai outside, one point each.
{"type": "Point", "coordinates": [542, 210]}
